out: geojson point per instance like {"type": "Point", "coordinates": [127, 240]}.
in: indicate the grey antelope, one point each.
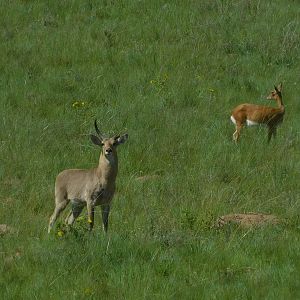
{"type": "Point", "coordinates": [89, 187]}
{"type": "Point", "coordinates": [251, 114]}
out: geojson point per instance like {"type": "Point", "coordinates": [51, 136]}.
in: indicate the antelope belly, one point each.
{"type": "Point", "coordinates": [251, 123]}
{"type": "Point", "coordinates": [77, 202]}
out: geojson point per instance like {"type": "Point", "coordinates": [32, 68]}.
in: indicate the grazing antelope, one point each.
{"type": "Point", "coordinates": [89, 187]}
{"type": "Point", "coordinates": [251, 114]}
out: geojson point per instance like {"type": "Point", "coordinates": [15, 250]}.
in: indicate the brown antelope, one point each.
{"type": "Point", "coordinates": [89, 187]}
{"type": "Point", "coordinates": [251, 114]}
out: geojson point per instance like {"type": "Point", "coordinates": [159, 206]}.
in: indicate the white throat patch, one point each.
{"type": "Point", "coordinates": [233, 120]}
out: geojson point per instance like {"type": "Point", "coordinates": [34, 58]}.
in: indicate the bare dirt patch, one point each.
{"type": "Point", "coordinates": [5, 229]}
{"type": "Point", "coordinates": [7, 201]}
{"type": "Point", "coordinates": [11, 181]}
{"type": "Point", "coordinates": [248, 220]}
{"type": "Point", "coordinates": [11, 258]}
{"type": "Point", "coordinates": [147, 177]}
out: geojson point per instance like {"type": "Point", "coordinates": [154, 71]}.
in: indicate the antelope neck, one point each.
{"type": "Point", "coordinates": [279, 102]}
{"type": "Point", "coordinates": [108, 166]}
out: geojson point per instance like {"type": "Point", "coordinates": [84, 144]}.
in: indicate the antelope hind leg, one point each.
{"type": "Point", "coordinates": [105, 213]}
{"type": "Point", "coordinates": [59, 207]}
{"type": "Point", "coordinates": [74, 214]}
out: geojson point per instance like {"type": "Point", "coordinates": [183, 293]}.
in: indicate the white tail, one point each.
{"type": "Point", "coordinates": [251, 114]}
{"type": "Point", "coordinates": [89, 187]}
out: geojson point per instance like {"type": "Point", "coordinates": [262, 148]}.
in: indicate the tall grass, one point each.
{"type": "Point", "coordinates": [169, 73]}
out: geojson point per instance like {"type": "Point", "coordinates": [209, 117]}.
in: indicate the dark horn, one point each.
{"type": "Point", "coordinates": [97, 129]}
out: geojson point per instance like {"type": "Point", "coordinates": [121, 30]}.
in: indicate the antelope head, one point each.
{"type": "Point", "coordinates": [276, 93]}
{"type": "Point", "coordinates": [108, 145]}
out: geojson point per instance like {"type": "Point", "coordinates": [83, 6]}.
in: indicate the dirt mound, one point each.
{"type": "Point", "coordinates": [247, 220]}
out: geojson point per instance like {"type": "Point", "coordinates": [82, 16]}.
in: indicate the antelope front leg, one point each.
{"type": "Point", "coordinates": [105, 208]}
{"type": "Point", "coordinates": [91, 212]}
{"type": "Point", "coordinates": [237, 133]}
{"type": "Point", "coordinates": [271, 132]}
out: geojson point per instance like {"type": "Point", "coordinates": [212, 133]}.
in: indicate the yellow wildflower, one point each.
{"type": "Point", "coordinates": [60, 233]}
{"type": "Point", "coordinates": [78, 104]}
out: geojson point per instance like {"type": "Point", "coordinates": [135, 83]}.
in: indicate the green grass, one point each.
{"type": "Point", "coordinates": [168, 73]}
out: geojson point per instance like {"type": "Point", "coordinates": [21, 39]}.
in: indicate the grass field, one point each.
{"type": "Point", "coordinates": [169, 74]}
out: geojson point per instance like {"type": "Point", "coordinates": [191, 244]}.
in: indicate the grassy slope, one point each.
{"type": "Point", "coordinates": [169, 73]}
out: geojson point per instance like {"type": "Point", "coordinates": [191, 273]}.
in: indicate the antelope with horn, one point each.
{"type": "Point", "coordinates": [89, 187]}
{"type": "Point", "coordinates": [251, 114]}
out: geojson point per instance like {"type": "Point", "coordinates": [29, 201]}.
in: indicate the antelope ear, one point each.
{"type": "Point", "coordinates": [96, 140]}
{"type": "Point", "coordinates": [279, 87]}
{"type": "Point", "coordinates": [121, 139]}
{"type": "Point", "coordinates": [275, 87]}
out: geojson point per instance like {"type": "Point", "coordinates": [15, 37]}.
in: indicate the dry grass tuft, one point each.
{"type": "Point", "coordinates": [247, 220]}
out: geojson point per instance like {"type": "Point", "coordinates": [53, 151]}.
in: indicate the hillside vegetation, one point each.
{"type": "Point", "coordinates": [168, 73]}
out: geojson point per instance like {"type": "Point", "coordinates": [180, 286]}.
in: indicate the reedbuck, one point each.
{"type": "Point", "coordinates": [251, 114]}
{"type": "Point", "coordinates": [89, 187]}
